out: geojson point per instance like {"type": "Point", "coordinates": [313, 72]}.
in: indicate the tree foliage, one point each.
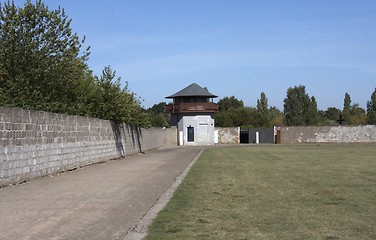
{"type": "Point", "coordinates": [299, 108]}
{"type": "Point", "coordinates": [357, 115]}
{"type": "Point", "coordinates": [113, 102]}
{"type": "Point", "coordinates": [265, 116]}
{"type": "Point", "coordinates": [157, 115]}
{"type": "Point", "coordinates": [313, 117]}
{"type": "Point", "coordinates": [295, 105]}
{"type": "Point", "coordinates": [43, 67]}
{"type": "Point", "coordinates": [235, 117]}
{"type": "Point", "coordinates": [262, 103]}
{"type": "Point", "coordinates": [262, 115]}
{"type": "Point", "coordinates": [346, 108]}
{"type": "Point", "coordinates": [330, 116]}
{"type": "Point", "coordinates": [233, 113]}
{"type": "Point", "coordinates": [371, 109]}
{"type": "Point", "coordinates": [332, 113]}
{"type": "Point", "coordinates": [353, 114]}
{"type": "Point", "coordinates": [229, 102]}
{"type": "Point", "coordinates": [277, 117]}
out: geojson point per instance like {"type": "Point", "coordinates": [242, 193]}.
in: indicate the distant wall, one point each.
{"type": "Point", "coordinates": [307, 134]}
{"type": "Point", "coordinates": [35, 144]}
{"type": "Point", "coordinates": [328, 134]}
{"type": "Point", "coordinates": [228, 135]}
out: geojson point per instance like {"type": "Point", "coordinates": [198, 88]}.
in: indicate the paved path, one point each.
{"type": "Point", "coordinates": [102, 201]}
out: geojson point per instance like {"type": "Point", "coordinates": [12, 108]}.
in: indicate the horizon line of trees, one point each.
{"type": "Point", "coordinates": [299, 109]}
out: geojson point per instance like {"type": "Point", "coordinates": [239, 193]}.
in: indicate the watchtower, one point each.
{"type": "Point", "coordinates": [192, 113]}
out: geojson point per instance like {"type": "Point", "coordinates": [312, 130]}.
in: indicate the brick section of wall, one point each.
{"type": "Point", "coordinates": [328, 134]}
{"type": "Point", "coordinates": [35, 144]}
{"type": "Point", "coordinates": [230, 135]}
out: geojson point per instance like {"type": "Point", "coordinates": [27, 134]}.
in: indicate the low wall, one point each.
{"type": "Point", "coordinates": [228, 135]}
{"type": "Point", "coordinates": [35, 144]}
{"type": "Point", "coordinates": [328, 134]}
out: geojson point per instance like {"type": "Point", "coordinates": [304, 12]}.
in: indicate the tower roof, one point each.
{"type": "Point", "coordinates": [193, 90]}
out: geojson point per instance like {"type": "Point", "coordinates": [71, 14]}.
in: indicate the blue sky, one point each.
{"type": "Point", "coordinates": [237, 47]}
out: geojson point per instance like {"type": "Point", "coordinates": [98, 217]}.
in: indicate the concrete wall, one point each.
{"type": "Point", "coordinates": [203, 127]}
{"type": "Point", "coordinates": [35, 144]}
{"type": "Point", "coordinates": [229, 135]}
{"type": "Point", "coordinates": [328, 134]}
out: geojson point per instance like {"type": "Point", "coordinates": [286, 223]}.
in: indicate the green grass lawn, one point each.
{"type": "Point", "coordinates": [275, 192]}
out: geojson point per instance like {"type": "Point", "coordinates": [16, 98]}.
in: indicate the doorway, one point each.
{"type": "Point", "coordinates": [191, 134]}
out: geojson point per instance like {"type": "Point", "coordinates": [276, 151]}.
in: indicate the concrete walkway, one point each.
{"type": "Point", "coordinates": [102, 201]}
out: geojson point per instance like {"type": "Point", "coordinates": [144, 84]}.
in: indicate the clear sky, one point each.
{"type": "Point", "coordinates": [233, 47]}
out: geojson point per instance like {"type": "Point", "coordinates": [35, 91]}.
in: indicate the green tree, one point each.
{"type": "Point", "coordinates": [229, 102]}
{"type": "Point", "coordinates": [312, 113]}
{"type": "Point", "coordinates": [242, 117]}
{"type": "Point", "coordinates": [43, 67]}
{"type": "Point", "coordinates": [358, 115]}
{"type": "Point", "coordinates": [299, 108]}
{"type": "Point", "coordinates": [294, 105]}
{"type": "Point", "coordinates": [277, 117]}
{"type": "Point", "coordinates": [346, 108]}
{"type": "Point", "coordinates": [262, 114]}
{"type": "Point", "coordinates": [158, 108]}
{"type": "Point", "coordinates": [371, 109]}
{"type": "Point", "coordinates": [110, 98]}
{"type": "Point", "coordinates": [232, 113]}
{"type": "Point", "coordinates": [114, 103]}
{"type": "Point", "coordinates": [330, 116]}
{"type": "Point", "coordinates": [158, 120]}
{"type": "Point", "coordinates": [223, 119]}
{"type": "Point", "coordinates": [353, 114]}
{"type": "Point", "coordinates": [332, 113]}
{"type": "Point", "coordinates": [41, 62]}
{"type": "Point", "coordinates": [158, 117]}
{"type": "Point", "coordinates": [262, 103]}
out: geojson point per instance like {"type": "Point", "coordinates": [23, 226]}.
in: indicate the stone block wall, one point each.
{"type": "Point", "coordinates": [35, 144]}
{"type": "Point", "coordinates": [328, 134]}
{"type": "Point", "coordinates": [229, 135]}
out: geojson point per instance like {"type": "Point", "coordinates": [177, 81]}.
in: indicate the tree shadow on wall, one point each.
{"type": "Point", "coordinates": [118, 138]}
{"type": "Point", "coordinates": [123, 133]}
{"type": "Point", "coordinates": [136, 135]}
